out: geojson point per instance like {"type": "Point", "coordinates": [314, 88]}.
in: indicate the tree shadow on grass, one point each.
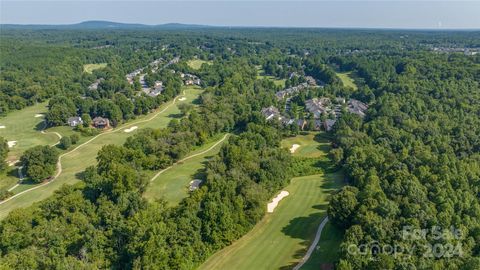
{"type": "Point", "coordinates": [175, 115]}
{"type": "Point", "coordinates": [40, 126]}
{"type": "Point", "coordinates": [304, 228]}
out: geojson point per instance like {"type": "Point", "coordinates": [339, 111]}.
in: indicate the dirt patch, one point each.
{"type": "Point", "coordinates": [2, 127]}
{"type": "Point", "coordinates": [271, 206]}
{"type": "Point", "coordinates": [38, 115]}
{"type": "Point", "coordinates": [182, 98]}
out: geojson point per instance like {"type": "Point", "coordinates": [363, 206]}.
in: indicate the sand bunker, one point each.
{"type": "Point", "coordinates": [130, 129]}
{"type": "Point", "coordinates": [294, 148]}
{"type": "Point", "coordinates": [11, 144]}
{"type": "Point", "coordinates": [11, 163]}
{"type": "Point", "coordinates": [271, 206]}
{"type": "Point", "coordinates": [2, 126]}
{"type": "Point", "coordinates": [182, 98]}
{"type": "Point", "coordinates": [195, 184]}
{"type": "Point", "coordinates": [38, 115]}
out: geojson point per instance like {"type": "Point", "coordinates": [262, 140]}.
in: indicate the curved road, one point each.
{"type": "Point", "coordinates": [313, 245]}
{"type": "Point", "coordinates": [59, 163]}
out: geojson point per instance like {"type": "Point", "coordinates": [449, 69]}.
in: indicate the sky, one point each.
{"type": "Point", "coordinates": [345, 14]}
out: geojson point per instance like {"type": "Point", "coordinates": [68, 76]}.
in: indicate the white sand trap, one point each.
{"type": "Point", "coordinates": [130, 129]}
{"type": "Point", "coordinates": [271, 206]}
{"type": "Point", "coordinates": [11, 163]}
{"type": "Point", "coordinates": [2, 126]}
{"type": "Point", "coordinates": [182, 98]}
{"type": "Point", "coordinates": [195, 184]}
{"type": "Point", "coordinates": [294, 148]}
{"type": "Point", "coordinates": [11, 144]}
{"type": "Point", "coordinates": [39, 115]}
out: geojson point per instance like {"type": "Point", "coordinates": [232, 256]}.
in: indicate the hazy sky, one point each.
{"type": "Point", "coordinates": [376, 14]}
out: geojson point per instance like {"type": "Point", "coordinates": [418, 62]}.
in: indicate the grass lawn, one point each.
{"type": "Point", "coordinates": [89, 68]}
{"type": "Point", "coordinates": [261, 75]}
{"type": "Point", "coordinates": [74, 162]}
{"type": "Point", "coordinates": [309, 145]}
{"type": "Point", "coordinates": [22, 126]}
{"type": "Point", "coordinates": [197, 63]}
{"type": "Point", "coordinates": [173, 184]}
{"type": "Point", "coordinates": [347, 79]}
{"type": "Point", "coordinates": [327, 249]}
{"type": "Point", "coordinates": [281, 238]}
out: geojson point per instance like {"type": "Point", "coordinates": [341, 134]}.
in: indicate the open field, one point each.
{"type": "Point", "coordinates": [326, 251]}
{"type": "Point", "coordinates": [172, 185]}
{"type": "Point", "coordinates": [89, 68]}
{"type": "Point", "coordinates": [282, 238]}
{"type": "Point", "coordinates": [197, 63]}
{"type": "Point", "coordinates": [84, 155]}
{"type": "Point", "coordinates": [347, 79]}
{"type": "Point", "coordinates": [261, 75]}
{"type": "Point", "coordinates": [22, 126]}
{"type": "Point", "coordinates": [308, 145]}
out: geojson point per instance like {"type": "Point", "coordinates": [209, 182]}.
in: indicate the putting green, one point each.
{"type": "Point", "coordinates": [76, 160]}
{"type": "Point", "coordinates": [89, 68]}
{"type": "Point", "coordinates": [197, 63]}
{"type": "Point", "coordinates": [347, 80]}
{"type": "Point", "coordinates": [172, 185]}
{"type": "Point", "coordinates": [282, 238]}
{"type": "Point", "coordinates": [311, 145]}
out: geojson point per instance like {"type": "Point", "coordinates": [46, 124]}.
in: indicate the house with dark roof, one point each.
{"type": "Point", "coordinates": [100, 122]}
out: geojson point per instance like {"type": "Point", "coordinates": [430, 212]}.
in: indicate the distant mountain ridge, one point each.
{"type": "Point", "coordinates": [103, 25]}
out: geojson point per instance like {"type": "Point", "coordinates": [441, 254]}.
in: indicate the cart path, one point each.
{"type": "Point", "coordinates": [189, 157]}
{"type": "Point", "coordinates": [313, 245]}
{"type": "Point", "coordinates": [59, 163]}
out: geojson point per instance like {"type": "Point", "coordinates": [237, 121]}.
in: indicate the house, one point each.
{"type": "Point", "coordinates": [318, 106]}
{"type": "Point", "coordinates": [94, 85]}
{"type": "Point", "coordinates": [328, 124]}
{"type": "Point", "coordinates": [100, 122]}
{"type": "Point", "coordinates": [357, 107]}
{"type": "Point", "coordinates": [74, 121]}
{"type": "Point", "coordinates": [156, 91]}
{"type": "Point", "coordinates": [270, 113]}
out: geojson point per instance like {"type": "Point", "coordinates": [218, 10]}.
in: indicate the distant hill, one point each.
{"type": "Point", "coordinates": [102, 25]}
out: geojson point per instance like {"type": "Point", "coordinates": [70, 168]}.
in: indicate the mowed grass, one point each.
{"type": "Point", "coordinates": [347, 79]}
{"type": "Point", "coordinates": [310, 146]}
{"type": "Point", "coordinates": [89, 68]}
{"type": "Point", "coordinates": [281, 238]}
{"type": "Point", "coordinates": [22, 126]}
{"type": "Point", "coordinates": [197, 63]}
{"type": "Point", "coordinates": [327, 250]}
{"type": "Point", "coordinates": [76, 161]}
{"type": "Point", "coordinates": [261, 75]}
{"type": "Point", "coordinates": [173, 184]}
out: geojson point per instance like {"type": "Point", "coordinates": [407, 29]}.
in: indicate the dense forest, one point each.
{"type": "Point", "coordinates": [412, 162]}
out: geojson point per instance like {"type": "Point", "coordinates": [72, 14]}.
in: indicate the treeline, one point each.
{"type": "Point", "coordinates": [414, 164]}
{"type": "Point", "coordinates": [106, 223]}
